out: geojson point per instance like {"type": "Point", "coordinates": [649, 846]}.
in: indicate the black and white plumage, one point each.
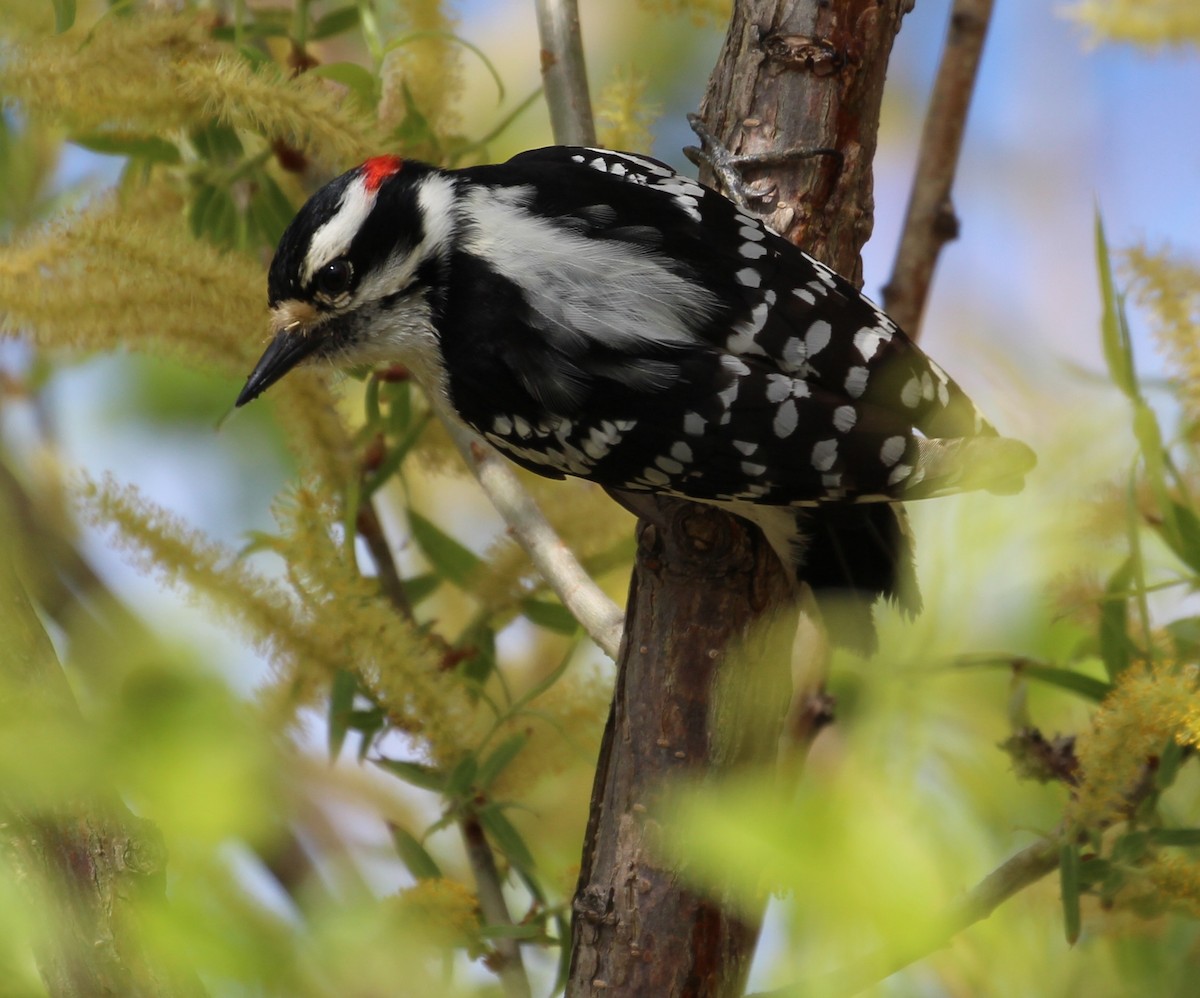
{"type": "Point", "coordinates": [593, 313]}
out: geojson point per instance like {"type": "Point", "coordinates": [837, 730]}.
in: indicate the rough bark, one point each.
{"type": "Point", "coordinates": [704, 674]}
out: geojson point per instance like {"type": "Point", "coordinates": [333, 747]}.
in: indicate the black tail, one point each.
{"type": "Point", "coordinates": [854, 555]}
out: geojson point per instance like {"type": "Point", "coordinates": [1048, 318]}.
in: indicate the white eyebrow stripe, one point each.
{"type": "Point", "coordinates": [333, 238]}
{"type": "Point", "coordinates": [436, 196]}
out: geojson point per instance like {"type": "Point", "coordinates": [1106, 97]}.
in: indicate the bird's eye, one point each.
{"type": "Point", "coordinates": [334, 278]}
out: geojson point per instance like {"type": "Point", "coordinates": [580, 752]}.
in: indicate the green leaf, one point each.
{"type": "Point", "coordinates": [450, 558]}
{"type": "Point", "coordinates": [416, 773]}
{"type": "Point", "coordinates": [482, 664]}
{"type": "Point", "coordinates": [64, 15]}
{"type": "Point", "coordinates": [503, 754]}
{"type": "Point", "coordinates": [552, 616]}
{"type": "Point", "coordinates": [1067, 679]}
{"type": "Point", "coordinates": [1114, 332]}
{"type": "Point", "coordinates": [507, 839]}
{"type": "Point", "coordinates": [150, 148]}
{"type": "Point", "coordinates": [269, 208]}
{"type": "Point", "coordinates": [213, 215]}
{"type": "Point", "coordinates": [1175, 836]}
{"type": "Point", "coordinates": [217, 143]}
{"type": "Point", "coordinates": [1068, 868]}
{"type": "Point", "coordinates": [412, 854]}
{"type": "Point", "coordinates": [367, 723]}
{"type": "Point", "coordinates": [1185, 538]}
{"type": "Point", "coordinates": [341, 707]}
{"type": "Point", "coordinates": [334, 23]}
{"type": "Point", "coordinates": [1116, 647]}
{"type": "Point", "coordinates": [1185, 635]}
{"type": "Point", "coordinates": [1170, 759]}
{"type": "Point", "coordinates": [355, 78]}
{"type": "Point", "coordinates": [462, 778]}
{"type": "Point", "coordinates": [421, 587]}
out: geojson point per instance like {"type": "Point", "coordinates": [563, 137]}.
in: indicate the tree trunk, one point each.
{"type": "Point", "coordinates": [704, 676]}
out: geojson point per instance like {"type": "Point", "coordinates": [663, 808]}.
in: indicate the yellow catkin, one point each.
{"type": "Point", "coordinates": [304, 111]}
{"type": "Point", "coordinates": [563, 729]}
{"type": "Point", "coordinates": [1177, 883]}
{"type": "Point", "coordinates": [109, 277]}
{"type": "Point", "coordinates": [1149, 705]}
{"type": "Point", "coordinates": [123, 74]}
{"type": "Point", "coordinates": [159, 73]}
{"type": "Point", "coordinates": [1144, 22]}
{"type": "Point", "coordinates": [427, 63]}
{"type": "Point", "coordinates": [316, 432]}
{"type": "Point", "coordinates": [332, 619]}
{"type": "Point", "coordinates": [623, 117]}
{"type": "Point", "coordinates": [440, 907]}
{"type": "Point", "coordinates": [1168, 287]}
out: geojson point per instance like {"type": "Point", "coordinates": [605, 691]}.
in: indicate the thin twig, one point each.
{"type": "Point", "coordinates": [930, 221]}
{"type": "Point", "coordinates": [1025, 868]}
{"type": "Point", "coordinates": [599, 616]}
{"type": "Point", "coordinates": [564, 73]}
{"type": "Point", "coordinates": [509, 968]}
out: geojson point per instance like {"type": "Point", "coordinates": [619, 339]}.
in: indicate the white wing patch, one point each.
{"type": "Point", "coordinates": [603, 290]}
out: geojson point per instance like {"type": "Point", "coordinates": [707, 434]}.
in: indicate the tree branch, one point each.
{"type": "Point", "coordinates": [587, 602]}
{"type": "Point", "coordinates": [930, 221]}
{"type": "Point", "coordinates": [510, 968]}
{"type": "Point", "coordinates": [564, 73]}
{"type": "Point", "coordinates": [704, 674]}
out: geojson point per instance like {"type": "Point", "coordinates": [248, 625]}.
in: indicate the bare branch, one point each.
{"type": "Point", "coordinates": [510, 968]}
{"type": "Point", "coordinates": [599, 615]}
{"type": "Point", "coordinates": [930, 221]}
{"type": "Point", "coordinates": [564, 73]}
{"type": "Point", "coordinates": [1025, 868]}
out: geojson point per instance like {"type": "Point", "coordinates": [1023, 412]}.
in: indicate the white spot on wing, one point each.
{"type": "Point", "coordinates": [868, 340]}
{"type": "Point", "coordinates": [748, 277]}
{"type": "Point", "coordinates": [910, 394]}
{"type": "Point", "coordinates": [693, 424]}
{"type": "Point", "coordinates": [681, 451]}
{"type": "Point", "coordinates": [856, 381]}
{"type": "Point", "coordinates": [844, 418]}
{"type": "Point", "coordinates": [824, 454]}
{"type": "Point", "coordinates": [747, 447]}
{"type": "Point", "coordinates": [892, 450]}
{"type": "Point", "coordinates": [787, 417]}
{"type": "Point", "coordinates": [818, 336]}
{"type": "Point", "coordinates": [899, 473]}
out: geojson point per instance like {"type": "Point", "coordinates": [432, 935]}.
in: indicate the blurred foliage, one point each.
{"type": "Point", "coordinates": [425, 683]}
{"type": "Point", "coordinates": [1143, 22]}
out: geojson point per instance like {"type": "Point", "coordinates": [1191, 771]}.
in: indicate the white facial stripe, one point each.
{"type": "Point", "coordinates": [333, 238]}
{"type": "Point", "coordinates": [594, 288]}
{"type": "Point", "coordinates": [435, 194]}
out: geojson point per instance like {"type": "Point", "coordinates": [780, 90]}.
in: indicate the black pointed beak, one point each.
{"type": "Point", "coordinates": [285, 351]}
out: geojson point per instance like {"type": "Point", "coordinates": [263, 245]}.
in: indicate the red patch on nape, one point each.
{"type": "Point", "coordinates": [377, 169]}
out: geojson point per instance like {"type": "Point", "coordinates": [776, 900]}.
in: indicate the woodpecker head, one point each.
{"type": "Point", "coordinates": [350, 279]}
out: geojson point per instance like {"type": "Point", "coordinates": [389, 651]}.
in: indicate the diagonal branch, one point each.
{"type": "Point", "coordinates": [930, 221]}
{"type": "Point", "coordinates": [586, 601]}
{"type": "Point", "coordinates": [1018, 872]}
